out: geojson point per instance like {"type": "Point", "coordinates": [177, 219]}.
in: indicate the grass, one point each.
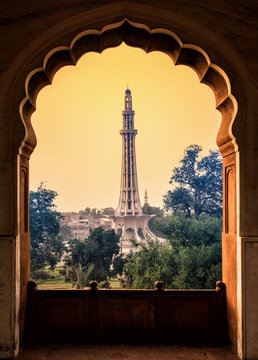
{"type": "Point", "coordinates": [57, 282]}
{"type": "Point", "coordinates": [114, 283]}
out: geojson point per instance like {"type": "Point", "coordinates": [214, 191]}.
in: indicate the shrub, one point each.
{"type": "Point", "coordinates": [104, 285]}
{"type": "Point", "coordinates": [41, 275]}
{"type": "Point", "coordinates": [62, 272]}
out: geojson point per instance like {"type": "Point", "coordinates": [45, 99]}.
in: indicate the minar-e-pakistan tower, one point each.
{"type": "Point", "coordinates": [129, 216]}
{"type": "Point", "coordinates": [129, 201]}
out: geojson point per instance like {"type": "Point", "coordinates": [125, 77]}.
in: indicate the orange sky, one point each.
{"type": "Point", "coordinates": [78, 119]}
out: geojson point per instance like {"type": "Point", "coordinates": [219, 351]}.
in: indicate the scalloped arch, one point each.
{"type": "Point", "coordinates": [141, 36]}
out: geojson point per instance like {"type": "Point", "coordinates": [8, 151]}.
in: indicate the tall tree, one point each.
{"type": "Point", "coordinates": [98, 249]}
{"type": "Point", "coordinates": [47, 245]}
{"type": "Point", "coordinates": [197, 184]}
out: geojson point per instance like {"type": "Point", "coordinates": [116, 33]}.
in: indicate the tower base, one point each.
{"type": "Point", "coordinates": [133, 227]}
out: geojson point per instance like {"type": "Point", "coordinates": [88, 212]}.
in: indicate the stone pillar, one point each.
{"type": "Point", "coordinates": [9, 260]}
{"type": "Point", "coordinates": [14, 225]}
{"type": "Point", "coordinates": [229, 242]}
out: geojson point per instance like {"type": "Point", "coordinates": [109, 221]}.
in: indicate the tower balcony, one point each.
{"type": "Point", "coordinates": [128, 112]}
{"type": "Point", "coordinates": [128, 131]}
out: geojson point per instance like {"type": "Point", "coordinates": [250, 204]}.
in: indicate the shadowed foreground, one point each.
{"type": "Point", "coordinates": [128, 352]}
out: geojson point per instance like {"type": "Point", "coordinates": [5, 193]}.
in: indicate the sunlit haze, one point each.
{"type": "Point", "coordinates": [78, 119]}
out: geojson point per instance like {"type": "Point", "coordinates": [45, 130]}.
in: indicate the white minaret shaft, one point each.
{"type": "Point", "coordinates": [129, 200]}
{"type": "Point", "coordinates": [146, 198]}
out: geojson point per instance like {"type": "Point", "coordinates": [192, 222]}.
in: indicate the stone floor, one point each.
{"type": "Point", "coordinates": [127, 352]}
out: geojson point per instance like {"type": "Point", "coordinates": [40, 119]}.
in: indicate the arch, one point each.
{"type": "Point", "coordinates": [149, 39]}
{"type": "Point", "coordinates": [141, 36]}
{"type": "Point", "coordinates": [140, 233]}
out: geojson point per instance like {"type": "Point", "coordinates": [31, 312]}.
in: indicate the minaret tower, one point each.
{"type": "Point", "coordinates": [129, 200]}
{"type": "Point", "coordinates": [129, 218]}
{"type": "Point", "coordinates": [146, 198]}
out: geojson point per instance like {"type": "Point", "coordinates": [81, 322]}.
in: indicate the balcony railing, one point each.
{"type": "Point", "coordinates": [92, 315]}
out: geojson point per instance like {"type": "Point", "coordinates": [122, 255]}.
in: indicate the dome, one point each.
{"type": "Point", "coordinates": [128, 92]}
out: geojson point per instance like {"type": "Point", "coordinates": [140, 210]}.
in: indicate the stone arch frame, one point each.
{"type": "Point", "coordinates": [156, 39]}
{"type": "Point", "coordinates": [138, 35]}
{"type": "Point", "coordinates": [141, 36]}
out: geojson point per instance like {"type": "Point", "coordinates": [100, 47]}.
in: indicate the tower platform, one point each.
{"type": "Point", "coordinates": [133, 227]}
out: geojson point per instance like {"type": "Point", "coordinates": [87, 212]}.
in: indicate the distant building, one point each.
{"type": "Point", "coordinates": [81, 225]}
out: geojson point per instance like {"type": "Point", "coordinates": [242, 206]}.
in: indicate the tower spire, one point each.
{"type": "Point", "coordinates": [146, 198]}
{"type": "Point", "coordinates": [129, 200]}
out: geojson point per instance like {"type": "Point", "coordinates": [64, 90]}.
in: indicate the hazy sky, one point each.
{"type": "Point", "coordinates": [78, 119]}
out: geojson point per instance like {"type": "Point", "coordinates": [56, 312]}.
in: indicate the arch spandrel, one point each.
{"type": "Point", "coordinates": [136, 35]}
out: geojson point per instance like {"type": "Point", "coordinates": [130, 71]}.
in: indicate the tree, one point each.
{"type": "Point", "coordinates": [183, 231]}
{"type": "Point", "coordinates": [95, 212]}
{"type": "Point", "coordinates": [98, 249]}
{"type": "Point", "coordinates": [82, 275]}
{"type": "Point", "coordinates": [152, 210]}
{"type": "Point", "coordinates": [109, 211]}
{"type": "Point", "coordinates": [196, 248]}
{"type": "Point", "coordinates": [90, 212]}
{"type": "Point", "coordinates": [197, 267]}
{"type": "Point", "coordinates": [179, 200]}
{"type": "Point", "coordinates": [190, 258]}
{"type": "Point", "coordinates": [118, 265]}
{"type": "Point", "coordinates": [47, 245]}
{"type": "Point", "coordinates": [87, 211]}
{"type": "Point", "coordinates": [151, 263]}
{"type": "Point", "coordinates": [65, 231]}
{"type": "Point", "coordinates": [198, 184]}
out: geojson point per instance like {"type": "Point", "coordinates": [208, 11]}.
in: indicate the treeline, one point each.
{"type": "Point", "coordinates": [188, 257]}
{"type": "Point", "coordinates": [83, 260]}
{"type": "Point", "coordinates": [96, 213]}
{"type": "Point", "coordinates": [191, 255]}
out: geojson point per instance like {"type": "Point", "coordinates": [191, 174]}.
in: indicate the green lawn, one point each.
{"type": "Point", "coordinates": [54, 284]}
{"type": "Point", "coordinates": [58, 282]}
{"type": "Point", "coordinates": [115, 284]}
